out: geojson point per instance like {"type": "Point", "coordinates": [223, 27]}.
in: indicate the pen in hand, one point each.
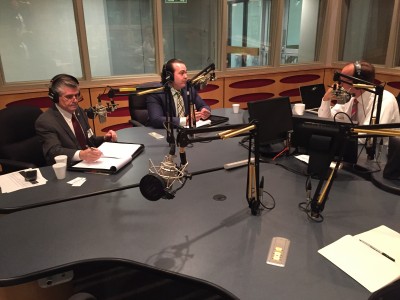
{"type": "Point", "coordinates": [377, 250]}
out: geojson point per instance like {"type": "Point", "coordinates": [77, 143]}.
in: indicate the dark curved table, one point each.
{"type": "Point", "coordinates": [204, 157]}
{"type": "Point", "coordinates": [200, 235]}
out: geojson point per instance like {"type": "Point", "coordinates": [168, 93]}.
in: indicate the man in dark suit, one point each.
{"type": "Point", "coordinates": [174, 73]}
{"type": "Point", "coordinates": [64, 127]}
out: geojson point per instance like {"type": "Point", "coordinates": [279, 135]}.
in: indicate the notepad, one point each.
{"type": "Point", "coordinates": [363, 263]}
{"type": "Point", "coordinates": [115, 156]}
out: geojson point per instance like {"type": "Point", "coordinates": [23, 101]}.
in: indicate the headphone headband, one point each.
{"type": "Point", "coordinates": [55, 82]}
{"type": "Point", "coordinates": [357, 69]}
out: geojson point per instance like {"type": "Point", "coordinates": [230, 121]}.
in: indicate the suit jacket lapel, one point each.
{"type": "Point", "coordinates": [61, 121]}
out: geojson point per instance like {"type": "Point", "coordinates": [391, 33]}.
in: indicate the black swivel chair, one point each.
{"type": "Point", "coordinates": [389, 292]}
{"type": "Point", "coordinates": [138, 110]}
{"type": "Point", "coordinates": [20, 147]}
{"type": "Point", "coordinates": [101, 279]}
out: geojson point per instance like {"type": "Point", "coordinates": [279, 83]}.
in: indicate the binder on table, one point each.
{"type": "Point", "coordinates": [372, 257]}
{"type": "Point", "coordinates": [115, 157]}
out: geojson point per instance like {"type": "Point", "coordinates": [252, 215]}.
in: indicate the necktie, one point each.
{"type": "Point", "coordinates": [179, 104]}
{"type": "Point", "coordinates": [80, 136]}
{"type": "Point", "coordinates": [354, 109]}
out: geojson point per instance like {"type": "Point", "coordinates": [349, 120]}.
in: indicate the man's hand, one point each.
{"type": "Point", "coordinates": [204, 114]}
{"type": "Point", "coordinates": [90, 154]}
{"type": "Point", "coordinates": [328, 95]}
{"type": "Point", "coordinates": [110, 136]}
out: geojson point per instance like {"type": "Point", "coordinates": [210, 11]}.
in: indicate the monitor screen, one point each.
{"type": "Point", "coordinates": [274, 117]}
{"type": "Point", "coordinates": [304, 128]}
{"type": "Point", "coordinates": [311, 95]}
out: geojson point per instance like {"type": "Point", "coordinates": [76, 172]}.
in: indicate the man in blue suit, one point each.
{"type": "Point", "coordinates": [64, 127]}
{"type": "Point", "coordinates": [174, 73]}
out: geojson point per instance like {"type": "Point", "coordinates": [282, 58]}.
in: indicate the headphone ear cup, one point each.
{"type": "Point", "coordinates": [53, 95]}
{"type": "Point", "coordinates": [169, 76]}
{"type": "Point", "coordinates": [166, 75]}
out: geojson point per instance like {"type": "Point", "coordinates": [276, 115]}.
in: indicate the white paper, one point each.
{"type": "Point", "coordinates": [118, 150]}
{"type": "Point", "coordinates": [12, 182]}
{"type": "Point", "coordinates": [115, 156]}
{"type": "Point", "coordinates": [201, 123]}
{"type": "Point", "coordinates": [366, 265]}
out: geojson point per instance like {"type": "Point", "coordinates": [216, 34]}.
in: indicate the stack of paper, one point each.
{"type": "Point", "coordinates": [115, 156]}
{"type": "Point", "coordinates": [12, 182]}
{"type": "Point", "coordinates": [372, 258]}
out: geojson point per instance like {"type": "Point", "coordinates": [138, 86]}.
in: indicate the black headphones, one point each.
{"type": "Point", "coordinates": [55, 81]}
{"type": "Point", "coordinates": [357, 69]}
{"type": "Point", "coordinates": [167, 73]}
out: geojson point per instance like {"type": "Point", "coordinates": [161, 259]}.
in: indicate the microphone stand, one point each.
{"type": "Point", "coordinates": [372, 88]}
{"type": "Point", "coordinates": [326, 174]}
{"type": "Point", "coordinates": [254, 188]}
{"type": "Point", "coordinates": [319, 199]}
{"type": "Point", "coordinates": [195, 83]}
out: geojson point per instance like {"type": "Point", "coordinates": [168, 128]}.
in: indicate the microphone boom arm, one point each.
{"type": "Point", "coordinates": [321, 194]}
{"type": "Point", "coordinates": [187, 136]}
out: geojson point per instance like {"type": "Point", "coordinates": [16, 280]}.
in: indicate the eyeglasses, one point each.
{"type": "Point", "coordinates": [70, 97]}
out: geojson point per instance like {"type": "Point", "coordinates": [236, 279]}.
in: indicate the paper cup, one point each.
{"type": "Point", "coordinates": [299, 108]}
{"type": "Point", "coordinates": [61, 159]}
{"type": "Point", "coordinates": [235, 108]}
{"type": "Point", "coordinates": [60, 169]}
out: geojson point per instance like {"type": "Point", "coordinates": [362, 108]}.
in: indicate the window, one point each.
{"type": "Point", "coordinates": [248, 33]}
{"type": "Point", "coordinates": [365, 30]}
{"type": "Point", "coordinates": [190, 32]}
{"type": "Point", "coordinates": [38, 39]}
{"type": "Point", "coordinates": [302, 28]}
{"type": "Point", "coordinates": [120, 36]}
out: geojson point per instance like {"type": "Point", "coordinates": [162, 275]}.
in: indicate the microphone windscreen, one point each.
{"type": "Point", "coordinates": [336, 76]}
{"type": "Point", "coordinates": [152, 186]}
{"type": "Point", "coordinates": [90, 113]}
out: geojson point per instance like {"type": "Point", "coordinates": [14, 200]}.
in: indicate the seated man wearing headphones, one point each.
{"type": "Point", "coordinates": [360, 104]}
{"type": "Point", "coordinates": [174, 73]}
{"type": "Point", "coordinates": [64, 127]}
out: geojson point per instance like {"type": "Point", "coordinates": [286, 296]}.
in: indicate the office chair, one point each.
{"type": "Point", "coordinates": [138, 110]}
{"type": "Point", "coordinates": [99, 279]}
{"type": "Point", "coordinates": [20, 147]}
{"type": "Point", "coordinates": [389, 292]}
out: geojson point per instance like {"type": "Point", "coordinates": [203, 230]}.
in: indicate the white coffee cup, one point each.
{"type": "Point", "coordinates": [299, 108]}
{"type": "Point", "coordinates": [60, 169]}
{"type": "Point", "coordinates": [61, 159]}
{"type": "Point", "coordinates": [235, 108]}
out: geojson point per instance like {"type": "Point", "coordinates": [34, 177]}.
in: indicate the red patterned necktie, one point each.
{"type": "Point", "coordinates": [80, 136]}
{"type": "Point", "coordinates": [354, 109]}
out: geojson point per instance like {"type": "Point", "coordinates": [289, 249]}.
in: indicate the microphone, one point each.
{"type": "Point", "coordinates": [340, 94]}
{"type": "Point", "coordinates": [336, 76]}
{"type": "Point", "coordinates": [158, 183]}
{"type": "Point", "coordinates": [98, 110]}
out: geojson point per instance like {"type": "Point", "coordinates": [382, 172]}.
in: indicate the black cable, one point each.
{"type": "Point", "coordinates": [273, 202]}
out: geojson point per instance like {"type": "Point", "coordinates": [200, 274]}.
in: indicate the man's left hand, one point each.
{"type": "Point", "coordinates": [204, 114]}
{"type": "Point", "coordinates": [111, 136]}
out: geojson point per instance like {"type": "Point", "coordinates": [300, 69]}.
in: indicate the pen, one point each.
{"type": "Point", "coordinates": [377, 250]}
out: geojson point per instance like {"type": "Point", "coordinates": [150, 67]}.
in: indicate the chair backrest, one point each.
{"type": "Point", "coordinates": [389, 292]}
{"type": "Point", "coordinates": [117, 279]}
{"type": "Point", "coordinates": [18, 141]}
{"type": "Point", "coordinates": [138, 110]}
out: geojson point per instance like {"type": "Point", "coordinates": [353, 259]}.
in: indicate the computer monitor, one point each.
{"type": "Point", "coordinates": [274, 119]}
{"type": "Point", "coordinates": [324, 139]}
{"type": "Point", "coordinates": [311, 95]}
